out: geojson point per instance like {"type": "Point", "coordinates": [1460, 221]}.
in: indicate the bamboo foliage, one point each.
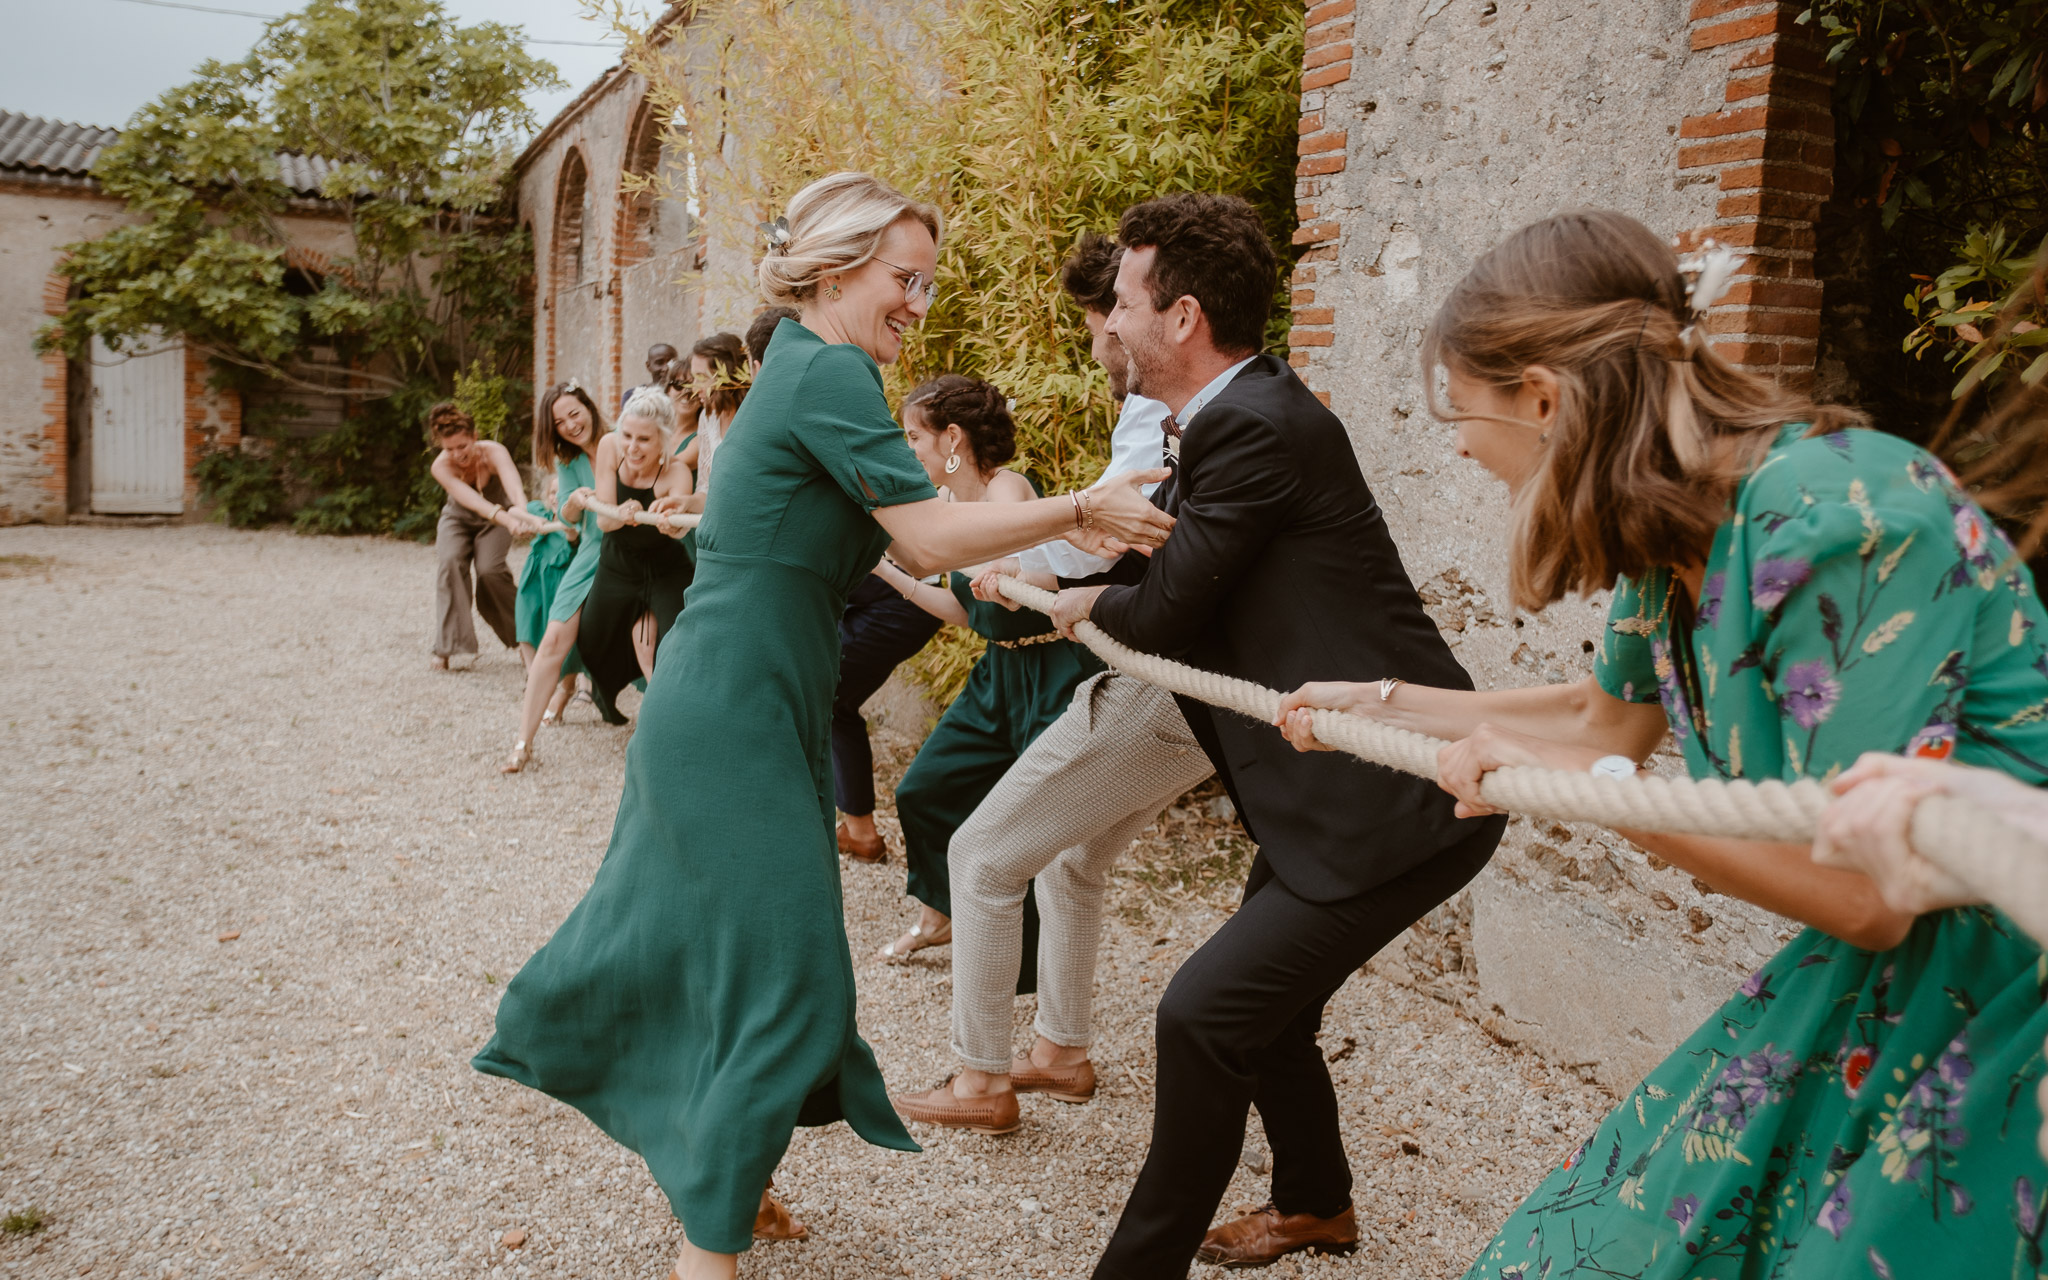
{"type": "Point", "coordinates": [1026, 121]}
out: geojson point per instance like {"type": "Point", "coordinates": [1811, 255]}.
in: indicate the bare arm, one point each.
{"type": "Point", "coordinates": [508, 475]}
{"type": "Point", "coordinates": [1579, 715]}
{"type": "Point", "coordinates": [465, 495]}
{"type": "Point", "coordinates": [611, 514]}
{"type": "Point", "coordinates": [936, 601]}
{"type": "Point", "coordinates": [932, 535]}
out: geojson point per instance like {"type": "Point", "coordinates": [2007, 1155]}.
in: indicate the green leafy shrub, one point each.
{"type": "Point", "coordinates": [245, 487]}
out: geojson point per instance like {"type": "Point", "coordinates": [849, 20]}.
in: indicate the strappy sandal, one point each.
{"type": "Point", "coordinates": [522, 755]}
{"type": "Point", "coordinates": [776, 1222]}
{"type": "Point", "coordinates": [919, 940]}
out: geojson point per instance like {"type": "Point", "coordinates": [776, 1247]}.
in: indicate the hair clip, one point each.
{"type": "Point", "coordinates": [777, 235]}
{"type": "Point", "coordinates": [571, 386]}
{"type": "Point", "coordinates": [1708, 273]}
{"type": "Point", "coordinates": [1009, 406]}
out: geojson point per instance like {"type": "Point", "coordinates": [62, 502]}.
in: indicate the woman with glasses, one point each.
{"type": "Point", "coordinates": [684, 1019]}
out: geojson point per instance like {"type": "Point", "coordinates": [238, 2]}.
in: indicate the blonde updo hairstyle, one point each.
{"type": "Point", "coordinates": [835, 225]}
{"type": "Point", "coordinates": [1654, 430]}
{"type": "Point", "coordinates": [653, 404]}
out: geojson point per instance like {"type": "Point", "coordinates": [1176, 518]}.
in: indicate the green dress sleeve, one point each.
{"type": "Point", "coordinates": [1847, 620]}
{"type": "Point", "coordinates": [847, 430]}
{"type": "Point", "coordinates": [1625, 665]}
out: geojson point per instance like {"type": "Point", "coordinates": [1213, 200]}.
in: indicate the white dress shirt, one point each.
{"type": "Point", "coordinates": [1137, 444]}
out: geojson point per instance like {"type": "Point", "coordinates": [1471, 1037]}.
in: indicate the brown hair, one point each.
{"type": "Point", "coordinates": [1212, 248]}
{"type": "Point", "coordinates": [729, 378]}
{"type": "Point", "coordinates": [549, 449]}
{"type": "Point", "coordinates": [2005, 456]}
{"type": "Point", "coordinates": [761, 331]}
{"type": "Point", "coordinates": [1654, 430]}
{"type": "Point", "coordinates": [1089, 273]}
{"type": "Point", "coordinates": [977, 408]}
{"type": "Point", "coordinates": [447, 419]}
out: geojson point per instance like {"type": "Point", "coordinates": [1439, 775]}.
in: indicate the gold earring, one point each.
{"type": "Point", "coordinates": [832, 290]}
{"type": "Point", "coordinates": [952, 463]}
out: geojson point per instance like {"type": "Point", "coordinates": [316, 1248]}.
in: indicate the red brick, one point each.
{"type": "Point", "coordinates": [1301, 297]}
{"type": "Point", "coordinates": [1790, 148]}
{"type": "Point", "coordinates": [1328, 35]}
{"type": "Point", "coordinates": [1323, 396]}
{"type": "Point", "coordinates": [1316, 232]}
{"type": "Point", "coordinates": [1323, 78]}
{"type": "Point", "coordinates": [1726, 151]}
{"type": "Point", "coordinates": [1780, 86]}
{"type": "Point", "coordinates": [1793, 324]}
{"type": "Point", "coordinates": [1777, 177]}
{"type": "Point", "coordinates": [1332, 163]}
{"type": "Point", "coordinates": [1749, 119]}
{"type": "Point", "coordinates": [1780, 267]}
{"type": "Point", "coordinates": [1797, 351]}
{"type": "Point", "coordinates": [1326, 55]}
{"type": "Point", "coordinates": [1768, 204]}
{"type": "Point", "coordinates": [1311, 338]}
{"type": "Point", "coordinates": [1773, 293]}
{"type": "Point", "coordinates": [1315, 315]}
{"type": "Point", "coordinates": [1328, 140]}
{"type": "Point", "coordinates": [1793, 53]}
{"type": "Point", "coordinates": [1325, 12]}
{"type": "Point", "coordinates": [1321, 253]}
{"type": "Point", "coordinates": [1750, 353]}
{"type": "Point", "coordinates": [1311, 122]}
{"type": "Point", "coordinates": [1299, 359]}
{"type": "Point", "coordinates": [1740, 29]}
{"type": "Point", "coordinates": [1704, 9]}
{"type": "Point", "coordinates": [1764, 235]}
{"type": "Point", "coordinates": [1304, 275]}
{"type": "Point", "coordinates": [1305, 213]}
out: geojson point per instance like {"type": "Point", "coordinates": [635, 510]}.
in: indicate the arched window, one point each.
{"type": "Point", "coordinates": [572, 257]}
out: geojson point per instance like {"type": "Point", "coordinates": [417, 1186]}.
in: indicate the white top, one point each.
{"type": "Point", "coordinates": [1137, 444]}
{"type": "Point", "coordinates": [709, 433]}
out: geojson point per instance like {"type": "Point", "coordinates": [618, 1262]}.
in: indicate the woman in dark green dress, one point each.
{"type": "Point", "coordinates": [684, 1020]}
{"type": "Point", "coordinates": [1790, 591]}
{"type": "Point", "coordinates": [643, 570]}
{"type": "Point", "coordinates": [960, 429]}
{"type": "Point", "coordinates": [547, 559]}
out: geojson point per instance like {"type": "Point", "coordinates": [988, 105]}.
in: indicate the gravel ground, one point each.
{"type": "Point", "coordinates": [264, 886]}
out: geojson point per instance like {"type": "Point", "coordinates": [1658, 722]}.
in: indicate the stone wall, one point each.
{"type": "Point", "coordinates": [1430, 129]}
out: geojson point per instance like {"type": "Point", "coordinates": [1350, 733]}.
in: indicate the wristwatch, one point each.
{"type": "Point", "coordinates": [1613, 767]}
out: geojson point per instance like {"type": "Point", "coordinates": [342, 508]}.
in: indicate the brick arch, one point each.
{"type": "Point", "coordinates": [568, 253]}
{"type": "Point", "coordinates": [633, 225]}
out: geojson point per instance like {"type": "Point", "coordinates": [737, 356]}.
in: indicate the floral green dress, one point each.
{"type": "Point", "coordinates": [1847, 1113]}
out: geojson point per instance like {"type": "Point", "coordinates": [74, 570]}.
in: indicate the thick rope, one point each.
{"type": "Point", "coordinates": [2003, 864]}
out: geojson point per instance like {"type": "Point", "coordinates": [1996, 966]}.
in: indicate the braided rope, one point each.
{"type": "Point", "coordinates": [1996, 860]}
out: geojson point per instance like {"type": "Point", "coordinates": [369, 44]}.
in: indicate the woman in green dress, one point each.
{"type": "Point", "coordinates": [686, 1021]}
{"type": "Point", "coordinates": [1790, 591]}
{"type": "Point", "coordinates": [960, 429]}
{"type": "Point", "coordinates": [566, 432]}
{"type": "Point", "coordinates": [547, 558]}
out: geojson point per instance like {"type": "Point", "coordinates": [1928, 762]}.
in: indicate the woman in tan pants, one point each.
{"type": "Point", "coordinates": [486, 504]}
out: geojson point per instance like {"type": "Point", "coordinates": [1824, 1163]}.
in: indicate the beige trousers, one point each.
{"type": "Point", "coordinates": [1060, 818]}
{"type": "Point", "coordinates": [460, 539]}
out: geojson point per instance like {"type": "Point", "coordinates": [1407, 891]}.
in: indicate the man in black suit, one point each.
{"type": "Point", "coordinates": [1280, 570]}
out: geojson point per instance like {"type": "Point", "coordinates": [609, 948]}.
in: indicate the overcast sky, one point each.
{"type": "Point", "coordinates": [97, 61]}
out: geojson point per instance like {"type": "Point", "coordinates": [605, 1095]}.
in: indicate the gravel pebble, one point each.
{"type": "Point", "coordinates": [264, 888]}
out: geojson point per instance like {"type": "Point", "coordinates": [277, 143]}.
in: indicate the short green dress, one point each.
{"type": "Point", "coordinates": [1847, 1113]}
{"type": "Point", "coordinates": [698, 1004]}
{"type": "Point", "coordinates": [1023, 681]}
{"type": "Point", "coordinates": [574, 474]}
{"type": "Point", "coordinates": [547, 558]}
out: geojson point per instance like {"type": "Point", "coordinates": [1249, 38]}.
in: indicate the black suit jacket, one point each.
{"type": "Point", "coordinates": [1280, 570]}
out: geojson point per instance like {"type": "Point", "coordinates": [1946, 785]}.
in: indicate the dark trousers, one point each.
{"type": "Point", "coordinates": [1237, 1029]}
{"type": "Point", "coordinates": [879, 630]}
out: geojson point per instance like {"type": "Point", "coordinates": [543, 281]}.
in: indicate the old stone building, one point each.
{"type": "Point", "coordinates": [117, 434]}
{"type": "Point", "coordinates": [1429, 130]}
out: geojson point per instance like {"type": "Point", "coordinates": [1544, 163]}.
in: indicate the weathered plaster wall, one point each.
{"type": "Point", "coordinates": [35, 221]}
{"type": "Point", "coordinates": [1432, 128]}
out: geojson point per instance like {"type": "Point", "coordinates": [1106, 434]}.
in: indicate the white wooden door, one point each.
{"type": "Point", "coordinates": [138, 428]}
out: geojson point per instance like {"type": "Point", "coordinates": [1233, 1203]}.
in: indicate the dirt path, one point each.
{"type": "Point", "coordinates": [263, 888]}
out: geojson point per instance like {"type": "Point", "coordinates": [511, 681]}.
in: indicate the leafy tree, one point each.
{"type": "Point", "coordinates": [412, 123]}
{"type": "Point", "coordinates": [1026, 121]}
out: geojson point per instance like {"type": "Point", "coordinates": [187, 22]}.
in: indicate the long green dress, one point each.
{"type": "Point", "coordinates": [1012, 695]}
{"type": "Point", "coordinates": [1847, 1113]}
{"type": "Point", "coordinates": [575, 582]}
{"type": "Point", "coordinates": [547, 558]}
{"type": "Point", "coordinates": [699, 1003]}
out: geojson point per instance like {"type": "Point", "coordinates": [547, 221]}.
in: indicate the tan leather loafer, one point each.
{"type": "Point", "coordinates": [1269, 1235]}
{"type": "Point", "coordinates": [872, 850]}
{"type": "Point", "coordinates": [1064, 1084]}
{"type": "Point", "coordinates": [775, 1222]}
{"type": "Point", "coordinates": [994, 1113]}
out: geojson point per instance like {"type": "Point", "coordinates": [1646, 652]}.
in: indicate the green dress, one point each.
{"type": "Point", "coordinates": [547, 558]}
{"type": "Point", "coordinates": [699, 1002]}
{"type": "Point", "coordinates": [1012, 695]}
{"type": "Point", "coordinates": [575, 582]}
{"type": "Point", "coordinates": [1847, 1113]}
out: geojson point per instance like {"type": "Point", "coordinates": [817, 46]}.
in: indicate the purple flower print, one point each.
{"type": "Point", "coordinates": [1959, 1199]}
{"type": "Point", "coordinates": [1878, 1266]}
{"type": "Point", "coordinates": [1927, 1129]}
{"type": "Point", "coordinates": [1834, 1216]}
{"type": "Point", "coordinates": [1747, 1084]}
{"type": "Point", "coordinates": [2029, 1211]}
{"type": "Point", "coordinates": [1811, 692]}
{"type": "Point", "coordinates": [1774, 578]}
{"type": "Point", "coordinates": [1710, 601]}
{"type": "Point", "coordinates": [1682, 1210]}
{"type": "Point", "coordinates": [1677, 708]}
{"type": "Point", "coordinates": [1758, 986]}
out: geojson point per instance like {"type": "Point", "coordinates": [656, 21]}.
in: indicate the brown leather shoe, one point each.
{"type": "Point", "coordinates": [1267, 1235]}
{"type": "Point", "coordinates": [776, 1222]}
{"type": "Point", "coordinates": [1064, 1084]}
{"type": "Point", "coordinates": [994, 1113]}
{"type": "Point", "coordinates": [862, 850]}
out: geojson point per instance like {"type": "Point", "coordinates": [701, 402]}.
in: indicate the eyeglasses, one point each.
{"type": "Point", "coordinates": [916, 286]}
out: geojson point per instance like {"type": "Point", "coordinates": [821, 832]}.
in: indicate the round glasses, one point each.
{"type": "Point", "coordinates": [916, 286]}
